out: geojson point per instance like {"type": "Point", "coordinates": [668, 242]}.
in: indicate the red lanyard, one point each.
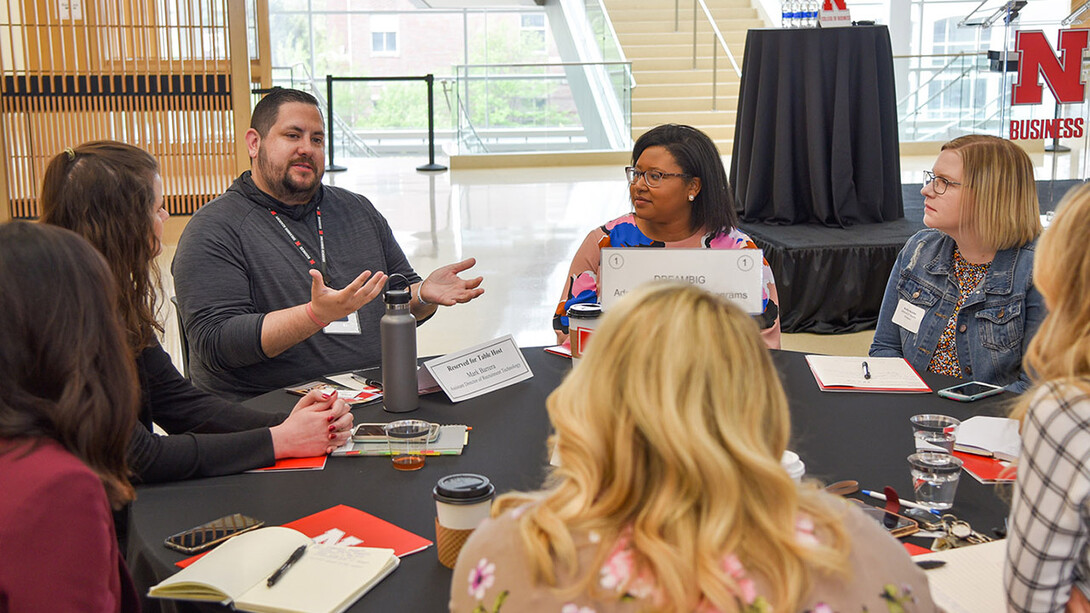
{"type": "Point", "coordinates": [299, 244]}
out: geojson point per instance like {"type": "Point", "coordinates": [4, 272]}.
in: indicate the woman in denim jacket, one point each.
{"type": "Point", "coordinates": [960, 300]}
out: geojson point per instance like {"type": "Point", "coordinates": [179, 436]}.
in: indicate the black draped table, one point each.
{"type": "Point", "coordinates": [838, 435]}
{"type": "Point", "coordinates": [816, 136]}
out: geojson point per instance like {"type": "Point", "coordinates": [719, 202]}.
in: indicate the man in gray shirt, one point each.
{"type": "Point", "coordinates": [256, 268]}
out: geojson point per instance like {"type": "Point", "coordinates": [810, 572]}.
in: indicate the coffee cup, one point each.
{"type": "Point", "coordinates": [582, 320]}
{"type": "Point", "coordinates": [462, 502]}
{"type": "Point", "coordinates": [793, 465]}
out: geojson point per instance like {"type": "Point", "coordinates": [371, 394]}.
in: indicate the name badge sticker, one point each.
{"type": "Point", "coordinates": [478, 370]}
{"type": "Point", "coordinates": [908, 316]}
{"type": "Point", "coordinates": [346, 325]}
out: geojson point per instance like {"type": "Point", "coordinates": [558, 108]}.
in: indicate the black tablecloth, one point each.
{"type": "Point", "coordinates": [816, 136]}
{"type": "Point", "coordinates": [838, 435]}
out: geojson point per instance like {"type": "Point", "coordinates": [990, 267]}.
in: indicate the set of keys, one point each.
{"type": "Point", "coordinates": [956, 533]}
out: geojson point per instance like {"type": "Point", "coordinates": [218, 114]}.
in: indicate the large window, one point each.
{"type": "Point", "coordinates": [384, 35]}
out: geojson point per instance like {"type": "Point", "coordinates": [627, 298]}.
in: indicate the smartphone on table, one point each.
{"type": "Point", "coordinates": [968, 392]}
{"type": "Point", "coordinates": [369, 433]}
{"type": "Point", "coordinates": [207, 536]}
{"type": "Point", "coordinates": [897, 525]}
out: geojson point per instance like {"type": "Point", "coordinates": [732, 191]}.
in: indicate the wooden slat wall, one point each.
{"type": "Point", "coordinates": [152, 73]}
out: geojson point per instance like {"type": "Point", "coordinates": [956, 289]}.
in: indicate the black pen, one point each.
{"type": "Point", "coordinates": [292, 559]}
{"type": "Point", "coordinates": [364, 380]}
{"type": "Point", "coordinates": [866, 371]}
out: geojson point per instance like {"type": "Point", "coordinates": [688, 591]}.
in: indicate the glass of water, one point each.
{"type": "Point", "coordinates": [935, 432]}
{"type": "Point", "coordinates": [935, 478]}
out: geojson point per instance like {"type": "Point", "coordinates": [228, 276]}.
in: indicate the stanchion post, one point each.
{"type": "Point", "coordinates": [332, 167]}
{"type": "Point", "coordinates": [431, 165]}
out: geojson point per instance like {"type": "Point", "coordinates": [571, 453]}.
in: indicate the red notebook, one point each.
{"type": "Point", "coordinates": [987, 469]}
{"type": "Point", "coordinates": [344, 525]}
{"type": "Point", "coordinates": [289, 464]}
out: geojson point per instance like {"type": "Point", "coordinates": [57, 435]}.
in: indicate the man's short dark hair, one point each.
{"type": "Point", "coordinates": [264, 115]}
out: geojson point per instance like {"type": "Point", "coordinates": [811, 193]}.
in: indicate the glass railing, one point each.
{"type": "Point", "coordinates": [505, 108]}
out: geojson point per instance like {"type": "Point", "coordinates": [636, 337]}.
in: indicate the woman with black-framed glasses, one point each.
{"type": "Point", "coordinates": [960, 300]}
{"type": "Point", "coordinates": [680, 199]}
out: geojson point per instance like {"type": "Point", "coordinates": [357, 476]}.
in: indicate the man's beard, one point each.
{"type": "Point", "coordinates": [287, 189]}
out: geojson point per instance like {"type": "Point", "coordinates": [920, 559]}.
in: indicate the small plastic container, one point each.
{"type": "Point", "coordinates": [408, 442]}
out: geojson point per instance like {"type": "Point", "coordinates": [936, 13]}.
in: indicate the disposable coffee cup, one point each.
{"type": "Point", "coordinates": [935, 432]}
{"type": "Point", "coordinates": [582, 321]}
{"type": "Point", "coordinates": [793, 465]}
{"type": "Point", "coordinates": [462, 502]}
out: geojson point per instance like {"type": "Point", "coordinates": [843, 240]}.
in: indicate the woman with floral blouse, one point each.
{"type": "Point", "coordinates": [669, 494]}
{"type": "Point", "coordinates": [680, 200]}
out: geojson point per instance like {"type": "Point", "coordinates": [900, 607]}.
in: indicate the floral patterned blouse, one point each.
{"type": "Point", "coordinates": [493, 576]}
{"type": "Point", "coordinates": [582, 284]}
{"type": "Point", "coordinates": [969, 276]}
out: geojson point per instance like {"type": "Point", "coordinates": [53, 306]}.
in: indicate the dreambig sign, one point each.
{"type": "Point", "coordinates": [1037, 58]}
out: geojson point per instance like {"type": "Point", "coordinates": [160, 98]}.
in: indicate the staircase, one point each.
{"type": "Point", "coordinates": [668, 88]}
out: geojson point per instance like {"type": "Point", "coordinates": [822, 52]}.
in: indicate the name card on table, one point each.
{"type": "Point", "coordinates": [478, 370]}
{"type": "Point", "coordinates": [734, 274]}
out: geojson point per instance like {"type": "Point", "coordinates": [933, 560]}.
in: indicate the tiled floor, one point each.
{"type": "Point", "coordinates": [523, 226]}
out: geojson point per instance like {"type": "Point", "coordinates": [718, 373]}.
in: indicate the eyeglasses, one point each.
{"type": "Point", "coordinates": [653, 178]}
{"type": "Point", "coordinates": [940, 183]}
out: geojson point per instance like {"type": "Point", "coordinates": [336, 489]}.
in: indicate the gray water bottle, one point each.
{"type": "Point", "coordinates": [397, 331]}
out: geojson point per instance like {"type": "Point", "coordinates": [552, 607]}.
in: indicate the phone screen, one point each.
{"type": "Point", "coordinates": [971, 389]}
{"type": "Point", "coordinates": [889, 521]}
{"type": "Point", "coordinates": [370, 430]}
{"type": "Point", "coordinates": [207, 535]}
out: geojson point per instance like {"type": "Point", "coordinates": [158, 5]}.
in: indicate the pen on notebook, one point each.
{"type": "Point", "coordinates": [366, 381]}
{"type": "Point", "coordinates": [866, 371]}
{"type": "Point", "coordinates": [904, 502]}
{"type": "Point", "coordinates": [292, 559]}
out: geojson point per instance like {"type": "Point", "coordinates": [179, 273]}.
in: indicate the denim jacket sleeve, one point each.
{"type": "Point", "coordinates": [887, 337]}
{"type": "Point", "coordinates": [1035, 314]}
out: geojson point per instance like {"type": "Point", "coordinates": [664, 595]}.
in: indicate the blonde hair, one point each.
{"type": "Point", "coordinates": [1060, 351]}
{"type": "Point", "coordinates": [671, 431]}
{"type": "Point", "coordinates": [999, 203]}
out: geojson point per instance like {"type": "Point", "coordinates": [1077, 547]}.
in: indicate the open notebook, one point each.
{"type": "Point", "coordinates": [326, 579]}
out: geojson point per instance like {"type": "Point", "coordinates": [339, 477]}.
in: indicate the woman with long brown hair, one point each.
{"type": "Point", "coordinates": [111, 194]}
{"type": "Point", "coordinates": [68, 403]}
{"type": "Point", "coordinates": [669, 494]}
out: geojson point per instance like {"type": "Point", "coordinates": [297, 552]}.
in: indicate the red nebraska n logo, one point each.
{"type": "Point", "coordinates": [1035, 55]}
{"type": "Point", "coordinates": [840, 5]}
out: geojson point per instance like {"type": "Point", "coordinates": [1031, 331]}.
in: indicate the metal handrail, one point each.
{"type": "Point", "coordinates": [955, 56]}
{"type": "Point", "coordinates": [715, 50]}
{"type": "Point", "coordinates": [616, 41]}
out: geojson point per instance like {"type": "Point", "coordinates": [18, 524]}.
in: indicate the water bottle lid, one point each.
{"type": "Point", "coordinates": [397, 296]}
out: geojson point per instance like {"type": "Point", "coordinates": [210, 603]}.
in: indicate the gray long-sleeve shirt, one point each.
{"type": "Point", "coordinates": [235, 263]}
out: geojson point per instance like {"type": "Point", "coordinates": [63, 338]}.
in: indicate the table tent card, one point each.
{"type": "Point", "coordinates": [735, 274]}
{"type": "Point", "coordinates": [479, 370]}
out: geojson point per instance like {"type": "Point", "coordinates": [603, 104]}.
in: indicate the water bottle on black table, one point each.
{"type": "Point", "coordinates": [397, 331]}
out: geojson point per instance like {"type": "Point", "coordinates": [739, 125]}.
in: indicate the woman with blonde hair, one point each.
{"type": "Point", "coordinates": [1048, 551]}
{"type": "Point", "coordinates": [669, 494]}
{"type": "Point", "coordinates": [960, 300]}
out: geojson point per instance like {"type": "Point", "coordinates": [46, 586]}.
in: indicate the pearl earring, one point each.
{"type": "Point", "coordinates": [691, 197]}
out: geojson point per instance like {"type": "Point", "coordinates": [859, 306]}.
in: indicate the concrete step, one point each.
{"type": "Point", "coordinates": [726, 76]}
{"type": "Point", "coordinates": [739, 20]}
{"type": "Point", "coordinates": [665, 90]}
{"type": "Point", "coordinates": [666, 105]}
{"type": "Point", "coordinates": [684, 18]}
{"type": "Point", "coordinates": [637, 6]}
{"type": "Point", "coordinates": [680, 63]}
{"type": "Point", "coordinates": [695, 118]}
{"type": "Point", "coordinates": [722, 134]}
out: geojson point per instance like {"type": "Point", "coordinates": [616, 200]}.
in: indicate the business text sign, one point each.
{"type": "Point", "coordinates": [1062, 74]}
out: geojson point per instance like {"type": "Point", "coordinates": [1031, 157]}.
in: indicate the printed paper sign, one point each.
{"type": "Point", "coordinates": [734, 274]}
{"type": "Point", "coordinates": [478, 370]}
